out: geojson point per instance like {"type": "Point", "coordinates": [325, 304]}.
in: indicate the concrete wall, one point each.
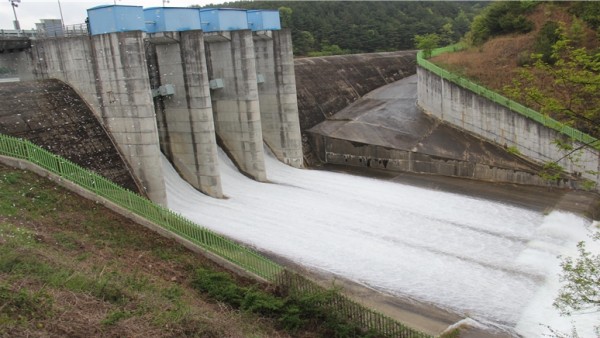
{"type": "Point", "coordinates": [110, 72]}
{"type": "Point", "coordinates": [478, 115]}
{"type": "Point", "coordinates": [230, 57]}
{"type": "Point", "coordinates": [127, 107]}
{"type": "Point", "coordinates": [187, 120]}
{"type": "Point", "coordinates": [52, 115]}
{"type": "Point", "coordinates": [277, 95]}
{"type": "Point", "coordinates": [19, 62]}
{"type": "Point", "coordinates": [328, 84]}
{"type": "Point", "coordinates": [344, 152]}
{"type": "Point", "coordinates": [69, 60]}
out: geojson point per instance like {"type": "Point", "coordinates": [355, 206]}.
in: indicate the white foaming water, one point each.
{"type": "Point", "coordinates": [492, 262]}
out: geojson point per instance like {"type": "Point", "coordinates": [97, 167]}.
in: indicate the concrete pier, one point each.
{"type": "Point", "coordinates": [234, 93]}
{"type": "Point", "coordinates": [277, 95]}
{"type": "Point", "coordinates": [126, 105]}
{"type": "Point", "coordinates": [187, 117]}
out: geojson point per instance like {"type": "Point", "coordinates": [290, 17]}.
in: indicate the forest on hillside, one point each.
{"type": "Point", "coordinates": [344, 27]}
{"type": "Point", "coordinates": [545, 55]}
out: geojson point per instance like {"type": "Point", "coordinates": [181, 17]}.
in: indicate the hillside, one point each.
{"type": "Point", "coordinates": [321, 28]}
{"type": "Point", "coordinates": [556, 81]}
{"type": "Point", "coordinates": [70, 267]}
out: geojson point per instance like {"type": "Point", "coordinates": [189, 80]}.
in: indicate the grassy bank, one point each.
{"type": "Point", "coordinates": [70, 267]}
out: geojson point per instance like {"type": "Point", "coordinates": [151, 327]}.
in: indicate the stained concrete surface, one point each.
{"type": "Point", "coordinates": [52, 115]}
{"type": "Point", "coordinates": [389, 117]}
{"type": "Point", "coordinates": [325, 85]}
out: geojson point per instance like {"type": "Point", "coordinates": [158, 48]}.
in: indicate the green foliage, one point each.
{"type": "Point", "coordinates": [114, 317]}
{"type": "Point", "coordinates": [329, 50]}
{"type": "Point", "coordinates": [551, 172]}
{"type": "Point", "coordinates": [303, 42]}
{"type": "Point", "coordinates": [580, 276]}
{"type": "Point", "coordinates": [427, 43]}
{"type": "Point", "coordinates": [292, 312]}
{"type": "Point", "coordinates": [513, 150]}
{"type": "Point", "coordinates": [367, 26]}
{"type": "Point", "coordinates": [285, 14]}
{"type": "Point", "coordinates": [588, 11]}
{"type": "Point", "coordinates": [17, 307]}
{"type": "Point", "coordinates": [545, 41]}
{"type": "Point", "coordinates": [502, 17]}
{"type": "Point", "coordinates": [565, 89]}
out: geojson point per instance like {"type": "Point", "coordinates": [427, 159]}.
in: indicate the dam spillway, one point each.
{"type": "Point", "coordinates": [490, 261]}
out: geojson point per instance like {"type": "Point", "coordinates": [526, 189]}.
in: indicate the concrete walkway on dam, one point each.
{"type": "Point", "coordinates": [389, 117]}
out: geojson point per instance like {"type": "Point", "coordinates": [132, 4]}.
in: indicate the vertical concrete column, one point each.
{"type": "Point", "coordinates": [277, 95]}
{"type": "Point", "coordinates": [232, 71]}
{"type": "Point", "coordinates": [188, 115]}
{"type": "Point", "coordinates": [126, 105]}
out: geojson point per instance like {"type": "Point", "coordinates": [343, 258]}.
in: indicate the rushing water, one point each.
{"type": "Point", "coordinates": [492, 262]}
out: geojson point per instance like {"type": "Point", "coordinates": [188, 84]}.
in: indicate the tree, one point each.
{"type": "Point", "coordinates": [447, 34]}
{"type": "Point", "coordinates": [580, 292]}
{"type": "Point", "coordinates": [565, 86]}
{"type": "Point", "coordinates": [286, 16]}
{"type": "Point", "coordinates": [427, 43]}
{"type": "Point", "coordinates": [303, 43]}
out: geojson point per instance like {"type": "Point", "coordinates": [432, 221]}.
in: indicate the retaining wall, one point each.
{"type": "Point", "coordinates": [344, 152]}
{"type": "Point", "coordinates": [476, 114]}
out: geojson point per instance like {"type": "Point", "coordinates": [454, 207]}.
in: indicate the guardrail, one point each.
{"type": "Point", "coordinates": [246, 258]}
{"type": "Point", "coordinates": [17, 33]}
{"type": "Point", "coordinates": [502, 100]}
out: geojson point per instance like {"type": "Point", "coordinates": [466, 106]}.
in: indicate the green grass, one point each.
{"type": "Point", "coordinates": [22, 307]}
{"type": "Point", "coordinates": [292, 312]}
{"type": "Point", "coordinates": [59, 251]}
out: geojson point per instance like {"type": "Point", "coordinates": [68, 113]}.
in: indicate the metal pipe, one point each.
{"type": "Point", "coordinates": [62, 20]}
{"type": "Point", "coordinates": [13, 4]}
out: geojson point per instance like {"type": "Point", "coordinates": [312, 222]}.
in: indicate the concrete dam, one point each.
{"type": "Point", "coordinates": [183, 82]}
{"type": "Point", "coordinates": [116, 101]}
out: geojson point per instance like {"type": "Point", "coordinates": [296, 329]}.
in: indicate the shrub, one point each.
{"type": "Point", "coordinates": [501, 18]}
{"type": "Point", "coordinates": [546, 38]}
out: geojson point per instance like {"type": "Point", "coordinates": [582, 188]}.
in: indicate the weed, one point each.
{"type": "Point", "coordinates": [293, 312]}
{"type": "Point", "coordinates": [17, 307]}
{"type": "Point", "coordinates": [137, 281]}
{"type": "Point", "coordinates": [66, 240]}
{"type": "Point", "coordinates": [16, 237]}
{"type": "Point", "coordinates": [513, 150]}
{"type": "Point", "coordinates": [172, 293]}
{"type": "Point", "coordinates": [11, 177]}
{"type": "Point", "coordinates": [115, 316]}
{"type": "Point", "coordinates": [83, 256]}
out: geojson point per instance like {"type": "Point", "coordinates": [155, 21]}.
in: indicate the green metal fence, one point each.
{"type": "Point", "coordinates": [141, 206]}
{"type": "Point", "coordinates": [502, 100]}
{"type": "Point", "coordinates": [244, 257]}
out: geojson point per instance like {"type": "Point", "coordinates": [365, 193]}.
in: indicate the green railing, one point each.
{"type": "Point", "coordinates": [141, 206]}
{"type": "Point", "coordinates": [246, 258]}
{"type": "Point", "coordinates": [502, 100]}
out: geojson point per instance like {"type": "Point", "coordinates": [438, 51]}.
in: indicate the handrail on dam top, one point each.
{"type": "Point", "coordinates": [221, 246]}
{"type": "Point", "coordinates": [502, 100]}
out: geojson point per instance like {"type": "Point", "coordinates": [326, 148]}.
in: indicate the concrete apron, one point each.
{"type": "Point", "coordinates": [386, 130]}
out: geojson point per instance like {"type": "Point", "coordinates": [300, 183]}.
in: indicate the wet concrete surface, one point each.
{"type": "Point", "coordinates": [325, 85]}
{"type": "Point", "coordinates": [389, 117]}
